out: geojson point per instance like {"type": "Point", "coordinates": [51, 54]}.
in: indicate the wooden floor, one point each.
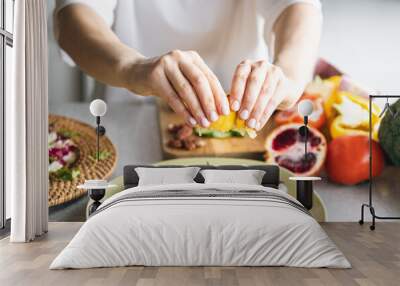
{"type": "Point", "coordinates": [375, 257]}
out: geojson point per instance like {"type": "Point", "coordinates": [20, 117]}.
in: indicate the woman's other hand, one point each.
{"type": "Point", "coordinates": [184, 80]}
{"type": "Point", "coordinates": [258, 89]}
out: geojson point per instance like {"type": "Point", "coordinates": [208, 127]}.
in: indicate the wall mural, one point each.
{"type": "Point", "coordinates": [338, 145]}
{"type": "Point", "coordinates": [146, 130]}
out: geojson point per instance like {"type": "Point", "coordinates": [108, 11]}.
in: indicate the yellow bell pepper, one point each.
{"type": "Point", "coordinates": [224, 123]}
{"type": "Point", "coordinates": [241, 125]}
{"type": "Point", "coordinates": [338, 128]}
{"type": "Point", "coordinates": [334, 82]}
{"type": "Point", "coordinates": [349, 115]}
{"type": "Point", "coordinates": [229, 123]}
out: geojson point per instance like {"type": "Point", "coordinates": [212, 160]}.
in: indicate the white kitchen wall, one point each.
{"type": "Point", "coordinates": [362, 37]}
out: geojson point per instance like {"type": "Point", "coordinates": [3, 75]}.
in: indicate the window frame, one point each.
{"type": "Point", "coordinates": [6, 39]}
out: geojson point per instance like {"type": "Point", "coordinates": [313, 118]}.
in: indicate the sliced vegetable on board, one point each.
{"type": "Point", "coordinates": [63, 153]}
{"type": "Point", "coordinates": [226, 126]}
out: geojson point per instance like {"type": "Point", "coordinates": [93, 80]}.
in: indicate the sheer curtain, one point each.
{"type": "Point", "coordinates": [27, 124]}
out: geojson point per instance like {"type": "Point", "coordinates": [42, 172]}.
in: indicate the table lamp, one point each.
{"type": "Point", "coordinates": [96, 188]}
{"type": "Point", "coordinates": [304, 185]}
{"type": "Point", "coordinates": [98, 108]}
{"type": "Point", "coordinates": [305, 109]}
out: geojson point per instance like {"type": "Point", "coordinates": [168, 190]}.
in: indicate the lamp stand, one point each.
{"type": "Point", "coordinates": [306, 136]}
{"type": "Point", "coordinates": [100, 131]}
{"type": "Point", "coordinates": [303, 130]}
{"type": "Point", "coordinates": [97, 138]}
{"type": "Point", "coordinates": [370, 205]}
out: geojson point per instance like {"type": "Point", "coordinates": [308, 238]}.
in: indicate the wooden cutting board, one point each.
{"type": "Point", "coordinates": [238, 147]}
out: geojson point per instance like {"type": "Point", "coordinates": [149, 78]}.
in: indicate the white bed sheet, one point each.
{"type": "Point", "coordinates": [200, 231]}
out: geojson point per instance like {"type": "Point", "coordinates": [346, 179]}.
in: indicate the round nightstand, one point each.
{"type": "Point", "coordinates": [304, 190]}
{"type": "Point", "coordinates": [96, 191]}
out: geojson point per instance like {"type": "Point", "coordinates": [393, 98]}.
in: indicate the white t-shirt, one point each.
{"type": "Point", "coordinates": [223, 32]}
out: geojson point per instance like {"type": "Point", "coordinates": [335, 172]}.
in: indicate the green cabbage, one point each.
{"type": "Point", "coordinates": [389, 134]}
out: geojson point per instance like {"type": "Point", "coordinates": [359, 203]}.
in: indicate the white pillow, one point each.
{"type": "Point", "coordinates": [163, 176]}
{"type": "Point", "coordinates": [248, 177]}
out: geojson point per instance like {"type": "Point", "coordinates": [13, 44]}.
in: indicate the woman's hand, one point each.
{"type": "Point", "coordinates": [184, 80]}
{"type": "Point", "coordinates": [258, 88]}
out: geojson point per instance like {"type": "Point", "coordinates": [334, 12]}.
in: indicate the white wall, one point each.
{"type": "Point", "coordinates": [362, 38]}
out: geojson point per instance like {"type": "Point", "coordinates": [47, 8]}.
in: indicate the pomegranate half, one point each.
{"type": "Point", "coordinates": [285, 147]}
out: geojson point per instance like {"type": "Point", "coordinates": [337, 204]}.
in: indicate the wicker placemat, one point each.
{"type": "Point", "coordinates": [84, 136]}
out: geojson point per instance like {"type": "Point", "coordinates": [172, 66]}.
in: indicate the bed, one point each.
{"type": "Point", "coordinates": [201, 224]}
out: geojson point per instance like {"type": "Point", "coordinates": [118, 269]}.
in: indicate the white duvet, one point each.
{"type": "Point", "coordinates": [183, 231]}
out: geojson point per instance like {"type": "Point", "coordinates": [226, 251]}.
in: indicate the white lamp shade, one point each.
{"type": "Point", "coordinates": [305, 107]}
{"type": "Point", "coordinates": [98, 107]}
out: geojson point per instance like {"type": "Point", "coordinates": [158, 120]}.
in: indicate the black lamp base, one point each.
{"type": "Point", "coordinates": [305, 193]}
{"type": "Point", "coordinates": [93, 207]}
{"type": "Point", "coordinates": [96, 195]}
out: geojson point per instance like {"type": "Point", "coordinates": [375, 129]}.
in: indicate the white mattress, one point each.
{"type": "Point", "coordinates": [190, 230]}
